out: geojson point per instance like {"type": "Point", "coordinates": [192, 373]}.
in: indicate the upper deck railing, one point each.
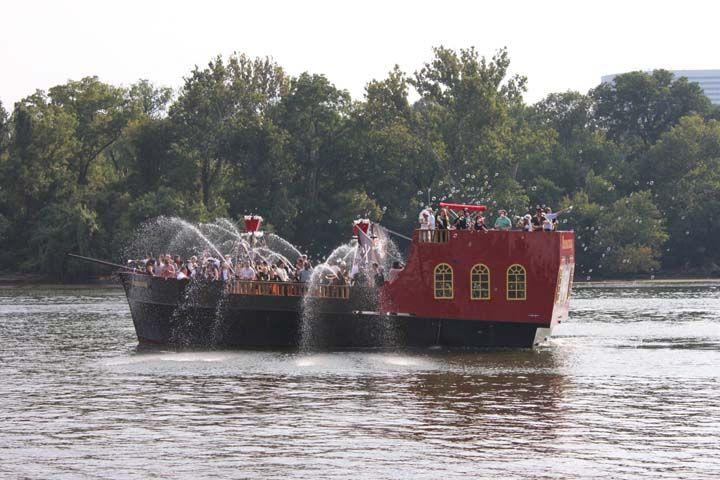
{"type": "Point", "coordinates": [443, 236]}
{"type": "Point", "coordinates": [433, 236]}
{"type": "Point", "coordinates": [287, 289]}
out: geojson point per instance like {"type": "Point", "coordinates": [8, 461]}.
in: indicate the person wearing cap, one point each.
{"type": "Point", "coordinates": [551, 218]}
{"type": "Point", "coordinates": [503, 222]}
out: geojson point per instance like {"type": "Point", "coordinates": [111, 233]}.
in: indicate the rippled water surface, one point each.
{"type": "Point", "coordinates": [628, 388]}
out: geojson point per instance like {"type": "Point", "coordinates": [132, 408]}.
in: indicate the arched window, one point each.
{"type": "Point", "coordinates": [480, 282]}
{"type": "Point", "coordinates": [443, 281]}
{"type": "Point", "coordinates": [516, 282]}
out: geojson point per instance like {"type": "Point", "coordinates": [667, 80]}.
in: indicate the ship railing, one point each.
{"type": "Point", "coordinates": [433, 236]}
{"type": "Point", "coordinates": [287, 289]}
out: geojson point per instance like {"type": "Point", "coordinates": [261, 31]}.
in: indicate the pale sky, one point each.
{"type": "Point", "coordinates": [558, 45]}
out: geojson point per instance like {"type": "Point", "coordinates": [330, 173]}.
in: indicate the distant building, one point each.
{"type": "Point", "coordinates": [709, 81]}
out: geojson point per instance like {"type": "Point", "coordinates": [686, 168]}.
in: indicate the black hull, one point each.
{"type": "Point", "coordinates": [179, 314]}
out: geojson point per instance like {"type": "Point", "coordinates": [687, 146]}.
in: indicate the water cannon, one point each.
{"type": "Point", "coordinates": [362, 224]}
{"type": "Point", "coordinates": [252, 223]}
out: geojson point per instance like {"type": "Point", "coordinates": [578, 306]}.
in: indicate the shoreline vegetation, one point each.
{"type": "Point", "coordinates": [84, 164]}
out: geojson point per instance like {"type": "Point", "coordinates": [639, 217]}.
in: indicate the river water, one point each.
{"type": "Point", "coordinates": [628, 388]}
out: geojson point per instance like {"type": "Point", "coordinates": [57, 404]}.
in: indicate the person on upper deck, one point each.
{"type": "Point", "coordinates": [442, 222]}
{"type": "Point", "coordinates": [423, 220]}
{"type": "Point", "coordinates": [551, 217]}
{"type": "Point", "coordinates": [463, 221]}
{"type": "Point", "coordinates": [479, 223]}
{"type": "Point", "coordinates": [527, 223]}
{"type": "Point", "coordinates": [503, 222]}
{"type": "Point", "coordinates": [431, 218]}
{"type": "Point", "coordinates": [538, 219]}
{"type": "Point", "coordinates": [427, 219]}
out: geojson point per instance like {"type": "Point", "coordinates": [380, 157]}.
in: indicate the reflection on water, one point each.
{"type": "Point", "coordinates": [626, 389]}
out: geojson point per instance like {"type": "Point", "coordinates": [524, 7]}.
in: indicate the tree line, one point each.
{"type": "Point", "coordinates": [83, 164]}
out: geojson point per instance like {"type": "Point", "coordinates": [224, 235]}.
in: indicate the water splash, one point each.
{"type": "Point", "coordinates": [200, 316]}
{"type": "Point", "coordinates": [311, 316]}
{"type": "Point", "coordinates": [352, 258]}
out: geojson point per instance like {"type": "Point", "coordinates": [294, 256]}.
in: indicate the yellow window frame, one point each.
{"type": "Point", "coordinates": [480, 270]}
{"type": "Point", "coordinates": [443, 279]}
{"type": "Point", "coordinates": [516, 283]}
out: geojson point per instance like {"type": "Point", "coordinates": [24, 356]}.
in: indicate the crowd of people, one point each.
{"type": "Point", "coordinates": [216, 268]}
{"type": "Point", "coordinates": [446, 219]}
{"type": "Point", "coordinates": [208, 267]}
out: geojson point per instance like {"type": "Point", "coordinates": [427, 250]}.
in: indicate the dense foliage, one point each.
{"type": "Point", "coordinates": [83, 164]}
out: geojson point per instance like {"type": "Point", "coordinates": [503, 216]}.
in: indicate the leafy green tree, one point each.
{"type": "Point", "coordinates": [680, 150]}
{"type": "Point", "coordinates": [581, 146]}
{"type": "Point", "coordinates": [150, 100]}
{"type": "Point", "coordinates": [682, 168]}
{"type": "Point", "coordinates": [397, 157]}
{"type": "Point", "coordinates": [62, 227]}
{"type": "Point", "coordinates": [632, 233]}
{"type": "Point", "coordinates": [42, 147]}
{"type": "Point", "coordinates": [101, 112]}
{"type": "Point", "coordinates": [624, 238]}
{"type": "Point", "coordinates": [694, 223]}
{"type": "Point", "coordinates": [544, 191]}
{"type": "Point", "coordinates": [599, 189]}
{"type": "Point", "coordinates": [314, 114]}
{"type": "Point", "coordinates": [261, 181]}
{"type": "Point", "coordinates": [471, 97]}
{"type": "Point", "coordinates": [583, 219]}
{"type": "Point", "coordinates": [637, 107]}
{"type": "Point", "coordinates": [4, 130]}
{"type": "Point", "coordinates": [217, 109]}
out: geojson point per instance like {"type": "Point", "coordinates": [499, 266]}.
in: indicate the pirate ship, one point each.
{"type": "Point", "coordinates": [458, 288]}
